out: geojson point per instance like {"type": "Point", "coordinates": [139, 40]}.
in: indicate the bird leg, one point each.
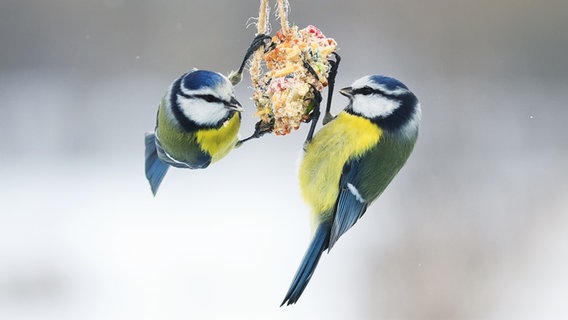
{"type": "Point", "coordinates": [257, 42]}
{"type": "Point", "coordinates": [311, 70]}
{"type": "Point", "coordinates": [330, 85]}
{"type": "Point", "coordinates": [260, 128]}
{"type": "Point", "coordinates": [314, 116]}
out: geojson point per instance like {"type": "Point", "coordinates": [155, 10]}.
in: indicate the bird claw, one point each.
{"type": "Point", "coordinates": [260, 129]}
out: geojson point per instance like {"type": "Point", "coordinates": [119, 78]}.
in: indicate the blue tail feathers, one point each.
{"type": "Point", "coordinates": [155, 168]}
{"type": "Point", "coordinates": [309, 263]}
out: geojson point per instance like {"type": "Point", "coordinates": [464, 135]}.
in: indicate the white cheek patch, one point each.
{"type": "Point", "coordinates": [355, 192]}
{"type": "Point", "coordinates": [201, 111]}
{"type": "Point", "coordinates": [372, 106]}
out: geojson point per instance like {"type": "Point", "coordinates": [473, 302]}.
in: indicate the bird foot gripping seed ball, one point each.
{"type": "Point", "coordinates": [297, 62]}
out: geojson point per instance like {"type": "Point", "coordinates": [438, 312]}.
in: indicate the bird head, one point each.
{"type": "Point", "coordinates": [205, 97]}
{"type": "Point", "coordinates": [385, 101]}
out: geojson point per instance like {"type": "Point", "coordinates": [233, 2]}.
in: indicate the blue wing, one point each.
{"type": "Point", "coordinates": [350, 203]}
{"type": "Point", "coordinates": [155, 168]}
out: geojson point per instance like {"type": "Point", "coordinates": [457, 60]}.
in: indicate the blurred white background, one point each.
{"type": "Point", "coordinates": [474, 227]}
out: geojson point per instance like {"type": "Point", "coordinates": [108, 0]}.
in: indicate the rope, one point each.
{"type": "Point", "coordinates": [261, 28]}
{"type": "Point", "coordinates": [282, 8]}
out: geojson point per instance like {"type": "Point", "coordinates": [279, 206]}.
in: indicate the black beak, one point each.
{"type": "Point", "coordinates": [235, 105]}
{"type": "Point", "coordinates": [348, 92]}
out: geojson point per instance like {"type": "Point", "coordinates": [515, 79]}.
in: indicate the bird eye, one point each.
{"type": "Point", "coordinates": [366, 91]}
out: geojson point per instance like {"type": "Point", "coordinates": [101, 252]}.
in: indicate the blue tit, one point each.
{"type": "Point", "coordinates": [351, 160]}
{"type": "Point", "coordinates": [197, 124]}
{"type": "Point", "coordinates": [198, 121]}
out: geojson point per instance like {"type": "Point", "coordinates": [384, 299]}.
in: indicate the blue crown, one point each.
{"type": "Point", "coordinates": [202, 78]}
{"type": "Point", "coordinates": [389, 83]}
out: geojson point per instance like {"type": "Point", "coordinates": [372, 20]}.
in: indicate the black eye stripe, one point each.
{"type": "Point", "coordinates": [368, 91]}
{"type": "Point", "coordinates": [365, 91]}
{"type": "Point", "coordinates": [209, 98]}
{"type": "Point", "coordinates": [177, 89]}
{"type": "Point", "coordinates": [206, 97]}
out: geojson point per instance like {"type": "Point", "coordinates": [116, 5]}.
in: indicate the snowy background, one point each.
{"type": "Point", "coordinates": [474, 227]}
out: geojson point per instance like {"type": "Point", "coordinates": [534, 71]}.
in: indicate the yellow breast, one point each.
{"type": "Point", "coordinates": [218, 142]}
{"type": "Point", "coordinates": [344, 138]}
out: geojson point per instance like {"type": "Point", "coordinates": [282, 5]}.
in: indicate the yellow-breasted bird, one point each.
{"type": "Point", "coordinates": [197, 123]}
{"type": "Point", "coordinates": [351, 160]}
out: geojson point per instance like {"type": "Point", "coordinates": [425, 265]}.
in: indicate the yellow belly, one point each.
{"type": "Point", "coordinates": [344, 138]}
{"type": "Point", "coordinates": [218, 142]}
